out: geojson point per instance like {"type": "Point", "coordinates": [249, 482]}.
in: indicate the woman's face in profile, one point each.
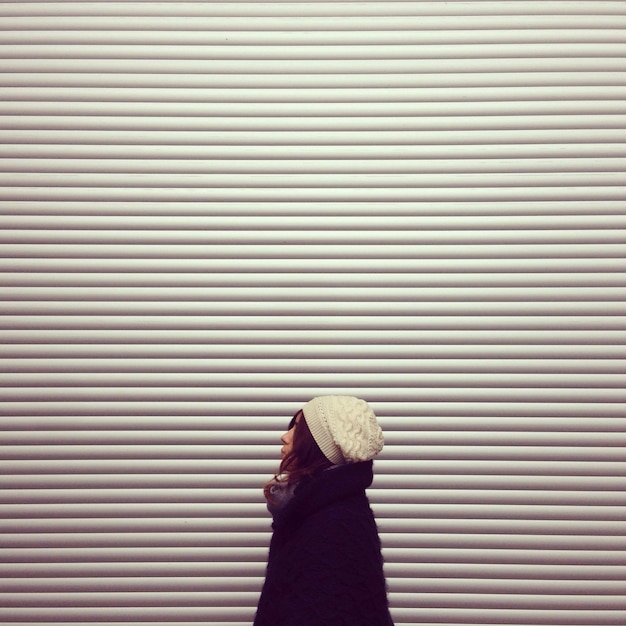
{"type": "Point", "coordinates": [287, 438]}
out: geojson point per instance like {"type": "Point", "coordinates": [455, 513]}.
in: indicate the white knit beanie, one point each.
{"type": "Point", "coordinates": [344, 428]}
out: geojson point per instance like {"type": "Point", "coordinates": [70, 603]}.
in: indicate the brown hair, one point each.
{"type": "Point", "coordinates": [305, 458]}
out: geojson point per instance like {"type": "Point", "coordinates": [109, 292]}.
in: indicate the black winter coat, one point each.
{"type": "Point", "coordinates": [325, 566]}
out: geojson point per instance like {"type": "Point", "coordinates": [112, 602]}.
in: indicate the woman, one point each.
{"type": "Point", "coordinates": [325, 566]}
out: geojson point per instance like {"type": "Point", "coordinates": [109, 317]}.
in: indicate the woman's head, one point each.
{"type": "Point", "coordinates": [327, 431]}
{"type": "Point", "coordinates": [330, 430]}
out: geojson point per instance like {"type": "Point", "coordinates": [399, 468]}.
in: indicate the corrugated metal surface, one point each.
{"type": "Point", "coordinates": [212, 212]}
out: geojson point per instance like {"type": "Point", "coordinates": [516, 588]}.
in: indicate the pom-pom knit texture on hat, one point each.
{"type": "Point", "coordinates": [344, 428]}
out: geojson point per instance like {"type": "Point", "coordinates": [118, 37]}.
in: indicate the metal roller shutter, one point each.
{"type": "Point", "coordinates": [213, 211]}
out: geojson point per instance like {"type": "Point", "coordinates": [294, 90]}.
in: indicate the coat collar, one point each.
{"type": "Point", "coordinates": [333, 485]}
